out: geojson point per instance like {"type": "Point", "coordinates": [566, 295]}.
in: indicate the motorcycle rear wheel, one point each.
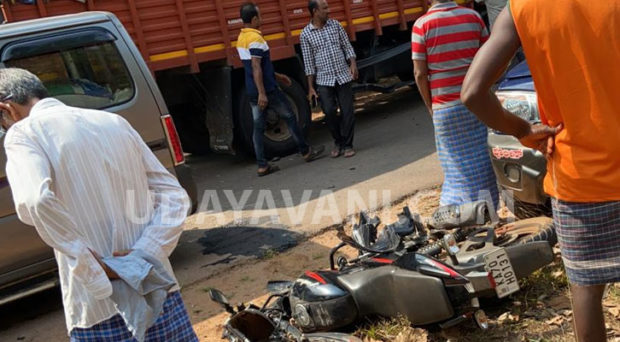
{"type": "Point", "coordinates": [526, 231]}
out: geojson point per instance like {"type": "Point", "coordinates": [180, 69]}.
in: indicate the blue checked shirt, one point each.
{"type": "Point", "coordinates": [326, 52]}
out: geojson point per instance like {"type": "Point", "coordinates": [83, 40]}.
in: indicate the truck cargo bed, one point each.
{"type": "Point", "coordinates": [179, 33]}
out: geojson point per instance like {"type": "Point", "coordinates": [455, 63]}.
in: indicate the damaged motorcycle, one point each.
{"type": "Point", "coordinates": [398, 272]}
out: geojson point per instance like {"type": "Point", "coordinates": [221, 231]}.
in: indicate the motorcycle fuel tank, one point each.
{"type": "Point", "coordinates": [389, 291]}
{"type": "Point", "coordinates": [319, 304]}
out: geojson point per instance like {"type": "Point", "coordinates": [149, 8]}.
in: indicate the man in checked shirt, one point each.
{"type": "Point", "coordinates": [326, 49]}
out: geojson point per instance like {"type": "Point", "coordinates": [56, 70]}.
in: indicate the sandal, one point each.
{"type": "Point", "coordinates": [349, 152]}
{"type": "Point", "coordinates": [270, 169]}
{"type": "Point", "coordinates": [314, 153]}
{"type": "Point", "coordinates": [336, 152]}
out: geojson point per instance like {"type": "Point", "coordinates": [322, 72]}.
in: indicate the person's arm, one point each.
{"type": "Point", "coordinates": [257, 73]}
{"type": "Point", "coordinates": [420, 66]}
{"type": "Point", "coordinates": [309, 65]}
{"type": "Point", "coordinates": [488, 65]}
{"type": "Point", "coordinates": [171, 205]}
{"type": "Point", "coordinates": [30, 176]}
{"type": "Point", "coordinates": [349, 52]}
{"type": "Point", "coordinates": [282, 78]}
{"type": "Point", "coordinates": [420, 71]}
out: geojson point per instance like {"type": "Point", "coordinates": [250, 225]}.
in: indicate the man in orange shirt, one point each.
{"type": "Point", "coordinates": [576, 81]}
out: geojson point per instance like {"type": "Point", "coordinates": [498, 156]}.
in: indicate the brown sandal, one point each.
{"type": "Point", "coordinates": [349, 152]}
{"type": "Point", "coordinates": [270, 169]}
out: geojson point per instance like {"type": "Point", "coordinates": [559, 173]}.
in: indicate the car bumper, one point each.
{"type": "Point", "coordinates": [518, 169]}
{"type": "Point", "coordinates": [184, 175]}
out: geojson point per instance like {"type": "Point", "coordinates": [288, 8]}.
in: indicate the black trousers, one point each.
{"type": "Point", "coordinates": [341, 126]}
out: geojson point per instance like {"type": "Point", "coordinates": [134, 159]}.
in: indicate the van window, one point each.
{"type": "Point", "coordinates": [92, 77]}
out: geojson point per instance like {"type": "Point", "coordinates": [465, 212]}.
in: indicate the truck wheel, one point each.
{"type": "Point", "coordinates": [523, 210]}
{"type": "Point", "coordinates": [529, 230]}
{"type": "Point", "coordinates": [278, 140]}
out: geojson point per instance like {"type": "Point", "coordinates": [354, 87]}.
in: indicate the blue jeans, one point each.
{"type": "Point", "coordinates": [278, 103]}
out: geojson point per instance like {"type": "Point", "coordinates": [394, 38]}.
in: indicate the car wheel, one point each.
{"type": "Point", "coordinates": [278, 140]}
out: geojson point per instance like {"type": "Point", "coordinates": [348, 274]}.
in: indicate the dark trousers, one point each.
{"type": "Point", "coordinates": [278, 103]}
{"type": "Point", "coordinates": [341, 126]}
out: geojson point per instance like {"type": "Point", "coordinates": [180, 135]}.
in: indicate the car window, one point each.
{"type": "Point", "coordinates": [92, 77]}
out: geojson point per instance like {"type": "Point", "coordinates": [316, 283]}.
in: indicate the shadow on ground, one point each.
{"type": "Point", "coordinates": [392, 131]}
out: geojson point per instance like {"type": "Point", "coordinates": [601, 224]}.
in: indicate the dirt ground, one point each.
{"type": "Point", "coordinates": [539, 312]}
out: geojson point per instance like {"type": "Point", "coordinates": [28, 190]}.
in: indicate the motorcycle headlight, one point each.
{"type": "Point", "coordinates": [521, 103]}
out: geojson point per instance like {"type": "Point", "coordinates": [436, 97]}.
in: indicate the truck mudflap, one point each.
{"type": "Point", "coordinates": [218, 94]}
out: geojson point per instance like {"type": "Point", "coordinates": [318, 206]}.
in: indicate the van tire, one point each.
{"type": "Point", "coordinates": [277, 142]}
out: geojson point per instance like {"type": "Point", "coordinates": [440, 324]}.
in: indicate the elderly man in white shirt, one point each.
{"type": "Point", "coordinates": [91, 187]}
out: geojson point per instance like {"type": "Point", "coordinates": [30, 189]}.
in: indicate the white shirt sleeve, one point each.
{"type": "Point", "coordinates": [30, 176]}
{"type": "Point", "coordinates": [171, 205]}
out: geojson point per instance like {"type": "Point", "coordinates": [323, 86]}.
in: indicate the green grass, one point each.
{"type": "Point", "coordinates": [269, 254]}
{"type": "Point", "coordinates": [384, 329]}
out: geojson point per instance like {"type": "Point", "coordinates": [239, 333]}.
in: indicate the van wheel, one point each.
{"type": "Point", "coordinates": [525, 231]}
{"type": "Point", "coordinates": [278, 140]}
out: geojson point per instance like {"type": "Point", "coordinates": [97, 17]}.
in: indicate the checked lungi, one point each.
{"type": "Point", "coordinates": [461, 141]}
{"type": "Point", "coordinates": [589, 237]}
{"type": "Point", "coordinates": [172, 326]}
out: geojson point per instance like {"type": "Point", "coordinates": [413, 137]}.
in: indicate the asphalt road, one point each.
{"type": "Point", "coordinates": [396, 157]}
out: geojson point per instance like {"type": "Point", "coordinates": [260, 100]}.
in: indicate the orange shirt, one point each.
{"type": "Point", "coordinates": [573, 50]}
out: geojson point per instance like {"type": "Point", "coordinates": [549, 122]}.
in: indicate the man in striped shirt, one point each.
{"type": "Point", "coordinates": [444, 43]}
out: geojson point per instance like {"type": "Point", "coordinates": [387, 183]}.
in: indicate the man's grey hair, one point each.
{"type": "Point", "coordinates": [22, 85]}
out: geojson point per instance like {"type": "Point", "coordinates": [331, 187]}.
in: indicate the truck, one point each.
{"type": "Point", "coordinates": [164, 62]}
{"type": "Point", "coordinates": [190, 48]}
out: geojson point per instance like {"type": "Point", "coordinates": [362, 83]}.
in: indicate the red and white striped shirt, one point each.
{"type": "Point", "coordinates": [447, 37]}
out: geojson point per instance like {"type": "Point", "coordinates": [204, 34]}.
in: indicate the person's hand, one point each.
{"type": "Point", "coordinates": [285, 80]}
{"type": "Point", "coordinates": [312, 95]}
{"type": "Point", "coordinates": [541, 138]}
{"type": "Point", "coordinates": [108, 271]}
{"type": "Point", "coordinates": [354, 72]}
{"type": "Point", "coordinates": [262, 101]}
{"type": "Point", "coordinates": [122, 253]}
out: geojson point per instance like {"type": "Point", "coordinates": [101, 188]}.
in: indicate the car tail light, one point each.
{"type": "Point", "coordinates": [173, 139]}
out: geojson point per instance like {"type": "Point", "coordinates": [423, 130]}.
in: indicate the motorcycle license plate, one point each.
{"type": "Point", "coordinates": [498, 265]}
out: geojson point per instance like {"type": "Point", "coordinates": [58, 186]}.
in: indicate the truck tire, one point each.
{"type": "Point", "coordinates": [278, 140]}
{"type": "Point", "coordinates": [530, 230]}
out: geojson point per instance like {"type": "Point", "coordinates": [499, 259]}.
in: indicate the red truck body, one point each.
{"type": "Point", "coordinates": [177, 33]}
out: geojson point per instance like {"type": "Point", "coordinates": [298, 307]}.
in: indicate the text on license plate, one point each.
{"type": "Point", "coordinates": [498, 265]}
